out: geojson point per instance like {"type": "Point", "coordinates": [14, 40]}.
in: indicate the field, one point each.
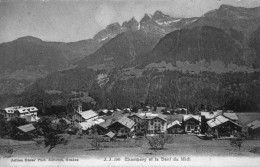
{"type": "Point", "coordinates": [186, 145]}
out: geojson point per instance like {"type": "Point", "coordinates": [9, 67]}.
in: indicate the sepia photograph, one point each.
{"type": "Point", "coordinates": [129, 83]}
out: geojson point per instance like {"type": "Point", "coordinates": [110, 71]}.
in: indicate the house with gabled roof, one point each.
{"type": "Point", "coordinates": [28, 113]}
{"type": "Point", "coordinates": [221, 123]}
{"type": "Point", "coordinates": [122, 126]}
{"type": "Point", "coordinates": [211, 114]}
{"type": "Point", "coordinates": [102, 128]}
{"type": "Point", "coordinates": [26, 128]}
{"type": "Point", "coordinates": [154, 123]}
{"type": "Point", "coordinates": [222, 126]}
{"type": "Point", "coordinates": [25, 132]}
{"type": "Point", "coordinates": [254, 129]}
{"type": "Point", "coordinates": [231, 115]}
{"type": "Point", "coordinates": [191, 123]}
{"type": "Point", "coordinates": [110, 135]}
{"type": "Point", "coordinates": [175, 127]}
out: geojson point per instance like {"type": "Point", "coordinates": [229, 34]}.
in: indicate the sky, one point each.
{"type": "Point", "coordinates": [74, 20]}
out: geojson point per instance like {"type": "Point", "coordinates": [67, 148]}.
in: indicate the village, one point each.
{"type": "Point", "coordinates": [112, 126]}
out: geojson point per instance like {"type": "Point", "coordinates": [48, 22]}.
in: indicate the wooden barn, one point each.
{"type": "Point", "coordinates": [122, 127]}
{"type": "Point", "coordinates": [254, 129]}
{"type": "Point", "coordinates": [223, 127]}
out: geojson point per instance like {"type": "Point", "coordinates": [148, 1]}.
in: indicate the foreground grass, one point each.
{"type": "Point", "coordinates": [187, 145]}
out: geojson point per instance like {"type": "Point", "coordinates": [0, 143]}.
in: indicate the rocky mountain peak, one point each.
{"type": "Point", "coordinates": [147, 17]}
{"type": "Point", "coordinates": [113, 27]}
{"type": "Point", "coordinates": [132, 24]}
{"type": "Point", "coordinates": [29, 39]}
{"type": "Point", "coordinates": [160, 15]}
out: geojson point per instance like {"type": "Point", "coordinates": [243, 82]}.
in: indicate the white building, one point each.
{"type": "Point", "coordinates": [156, 123]}
{"type": "Point", "coordinates": [29, 113]}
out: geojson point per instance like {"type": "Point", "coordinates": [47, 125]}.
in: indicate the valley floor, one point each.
{"type": "Point", "coordinates": [183, 145]}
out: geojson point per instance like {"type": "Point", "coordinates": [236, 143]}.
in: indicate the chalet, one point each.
{"type": "Point", "coordinates": [28, 113]}
{"type": "Point", "coordinates": [25, 132]}
{"type": "Point", "coordinates": [254, 129]}
{"type": "Point", "coordinates": [122, 127]}
{"type": "Point", "coordinates": [102, 128]}
{"type": "Point", "coordinates": [175, 127]}
{"type": "Point", "coordinates": [228, 114]}
{"type": "Point", "coordinates": [231, 115]}
{"type": "Point", "coordinates": [26, 128]}
{"type": "Point", "coordinates": [139, 126]}
{"type": "Point", "coordinates": [156, 123]}
{"type": "Point", "coordinates": [221, 126]}
{"type": "Point", "coordinates": [210, 115]}
{"type": "Point", "coordinates": [206, 116]}
{"type": "Point", "coordinates": [191, 123]}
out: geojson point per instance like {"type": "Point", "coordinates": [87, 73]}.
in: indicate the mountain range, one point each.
{"type": "Point", "coordinates": [211, 60]}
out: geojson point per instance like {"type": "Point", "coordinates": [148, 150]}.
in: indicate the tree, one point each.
{"type": "Point", "coordinates": [3, 126]}
{"type": "Point", "coordinates": [96, 142]}
{"type": "Point", "coordinates": [52, 139]}
{"type": "Point", "coordinates": [237, 141]}
{"type": "Point", "coordinates": [158, 142]}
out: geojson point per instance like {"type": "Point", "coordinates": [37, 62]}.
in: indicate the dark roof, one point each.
{"type": "Point", "coordinates": [125, 122]}
{"type": "Point", "coordinates": [231, 115]}
{"type": "Point", "coordinates": [172, 118]}
{"type": "Point", "coordinates": [174, 123]}
{"type": "Point", "coordinates": [150, 115]}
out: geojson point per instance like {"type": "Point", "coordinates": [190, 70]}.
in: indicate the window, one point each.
{"type": "Point", "coordinates": [196, 128]}
{"type": "Point", "coordinates": [151, 122]}
{"type": "Point", "coordinates": [188, 128]}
